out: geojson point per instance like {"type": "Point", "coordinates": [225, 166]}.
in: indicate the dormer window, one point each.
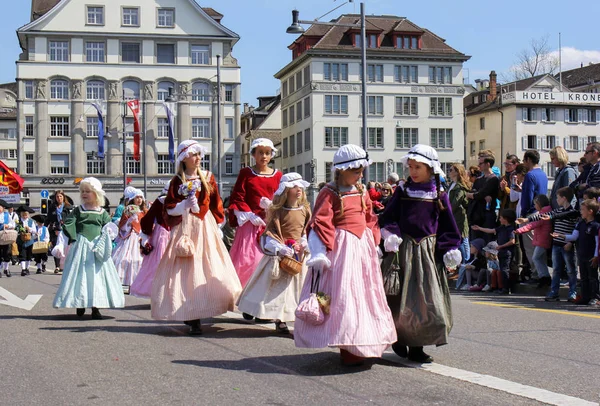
{"type": "Point", "coordinates": [407, 42]}
{"type": "Point", "coordinates": [372, 40]}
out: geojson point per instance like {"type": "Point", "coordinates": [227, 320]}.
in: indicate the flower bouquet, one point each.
{"type": "Point", "coordinates": [189, 189]}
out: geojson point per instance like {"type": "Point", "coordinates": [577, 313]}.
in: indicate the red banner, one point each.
{"type": "Point", "coordinates": [134, 105]}
{"type": "Point", "coordinates": [10, 179]}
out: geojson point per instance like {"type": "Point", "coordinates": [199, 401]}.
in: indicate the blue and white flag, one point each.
{"type": "Point", "coordinates": [98, 107]}
{"type": "Point", "coordinates": [170, 109]}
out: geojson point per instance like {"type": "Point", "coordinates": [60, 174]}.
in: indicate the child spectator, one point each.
{"type": "Point", "coordinates": [586, 235]}
{"type": "Point", "coordinates": [477, 261]}
{"type": "Point", "coordinates": [493, 268]}
{"type": "Point", "coordinates": [505, 235]}
{"type": "Point", "coordinates": [542, 240]}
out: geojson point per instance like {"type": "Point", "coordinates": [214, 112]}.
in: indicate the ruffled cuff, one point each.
{"type": "Point", "coordinates": [243, 216]}
{"type": "Point", "coordinates": [272, 246]}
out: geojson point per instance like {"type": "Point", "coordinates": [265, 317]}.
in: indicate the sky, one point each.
{"type": "Point", "coordinates": [491, 37]}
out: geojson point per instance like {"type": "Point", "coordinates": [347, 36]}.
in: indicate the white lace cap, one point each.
{"type": "Point", "coordinates": [424, 154]}
{"type": "Point", "coordinates": [263, 142]}
{"type": "Point", "coordinates": [187, 148]}
{"type": "Point", "coordinates": [138, 192]}
{"type": "Point", "coordinates": [350, 156]}
{"type": "Point", "coordinates": [290, 180]}
{"type": "Point", "coordinates": [129, 192]}
{"type": "Point", "coordinates": [95, 184]}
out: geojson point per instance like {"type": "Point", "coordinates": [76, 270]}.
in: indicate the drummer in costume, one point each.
{"type": "Point", "coordinates": [6, 223]}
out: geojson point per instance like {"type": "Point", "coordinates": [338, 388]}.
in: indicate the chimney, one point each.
{"type": "Point", "coordinates": [493, 88]}
{"type": "Point", "coordinates": [246, 108]}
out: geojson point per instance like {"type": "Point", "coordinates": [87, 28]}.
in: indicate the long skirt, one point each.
{"type": "Point", "coordinates": [142, 285]}
{"type": "Point", "coordinates": [360, 320]}
{"type": "Point", "coordinates": [422, 311]}
{"type": "Point", "coordinates": [245, 251]}
{"type": "Point", "coordinates": [198, 286]}
{"type": "Point", "coordinates": [127, 257]}
{"type": "Point", "coordinates": [272, 293]}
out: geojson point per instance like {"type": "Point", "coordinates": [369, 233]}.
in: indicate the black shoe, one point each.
{"type": "Point", "coordinates": [281, 327]}
{"type": "Point", "coordinates": [195, 329]}
{"type": "Point", "coordinates": [23, 272]}
{"type": "Point", "coordinates": [81, 311]}
{"type": "Point", "coordinates": [416, 354]}
{"type": "Point", "coordinates": [57, 271]}
{"type": "Point", "coordinates": [96, 314]}
{"type": "Point", "coordinates": [247, 316]}
{"type": "Point", "coordinates": [27, 270]}
{"type": "Point", "coordinates": [43, 268]}
{"type": "Point", "coordinates": [400, 350]}
{"type": "Point", "coordinates": [38, 272]}
{"type": "Point", "coordinates": [502, 292]}
{"type": "Point", "coordinates": [7, 273]}
{"type": "Point", "coordinates": [263, 321]}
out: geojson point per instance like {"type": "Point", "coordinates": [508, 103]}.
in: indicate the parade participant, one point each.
{"type": "Point", "coordinates": [250, 197]}
{"type": "Point", "coordinates": [128, 194]}
{"type": "Point", "coordinates": [90, 278]}
{"type": "Point", "coordinates": [272, 293]}
{"type": "Point", "coordinates": [127, 255]}
{"type": "Point", "coordinates": [418, 223]}
{"type": "Point", "coordinates": [43, 236]}
{"type": "Point", "coordinates": [343, 237]}
{"type": "Point", "coordinates": [27, 232]}
{"type": "Point", "coordinates": [58, 210]}
{"type": "Point", "coordinates": [155, 236]}
{"type": "Point", "coordinates": [6, 223]}
{"type": "Point", "coordinates": [195, 278]}
{"type": "Point", "coordinates": [14, 252]}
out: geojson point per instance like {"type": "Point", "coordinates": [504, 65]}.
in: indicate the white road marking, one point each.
{"type": "Point", "coordinates": [14, 301]}
{"type": "Point", "coordinates": [489, 381]}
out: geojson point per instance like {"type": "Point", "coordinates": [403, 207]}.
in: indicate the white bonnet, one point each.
{"type": "Point", "coordinates": [129, 192]}
{"type": "Point", "coordinates": [263, 142]}
{"type": "Point", "coordinates": [290, 180]}
{"type": "Point", "coordinates": [187, 148]}
{"type": "Point", "coordinates": [94, 183]}
{"type": "Point", "coordinates": [351, 157]}
{"type": "Point", "coordinates": [138, 192]}
{"type": "Point", "coordinates": [424, 154]}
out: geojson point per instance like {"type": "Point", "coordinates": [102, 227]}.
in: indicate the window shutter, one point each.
{"type": "Point", "coordinates": [538, 142]}
{"type": "Point", "coordinates": [544, 115]}
{"type": "Point", "coordinates": [524, 143]}
{"type": "Point", "coordinates": [581, 144]}
{"type": "Point", "coordinates": [598, 115]}
{"type": "Point", "coordinates": [579, 115]}
{"type": "Point", "coordinates": [585, 115]}
{"type": "Point", "coordinates": [566, 143]}
{"type": "Point", "coordinates": [524, 113]}
{"type": "Point", "coordinates": [544, 143]}
{"type": "Point", "coordinates": [566, 115]}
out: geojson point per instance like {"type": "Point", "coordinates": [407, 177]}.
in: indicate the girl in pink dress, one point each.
{"type": "Point", "coordinates": [343, 239]}
{"type": "Point", "coordinates": [251, 195]}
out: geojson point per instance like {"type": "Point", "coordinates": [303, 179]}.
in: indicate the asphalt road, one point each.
{"type": "Point", "coordinates": [530, 352]}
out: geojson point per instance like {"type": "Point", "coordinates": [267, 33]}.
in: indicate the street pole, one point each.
{"type": "Point", "coordinates": [363, 43]}
{"type": "Point", "coordinates": [219, 163]}
{"type": "Point", "coordinates": [124, 142]}
{"type": "Point", "coordinates": [144, 151]}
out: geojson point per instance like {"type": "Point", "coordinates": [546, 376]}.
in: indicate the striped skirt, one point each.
{"type": "Point", "coordinates": [359, 320]}
{"type": "Point", "coordinates": [245, 251]}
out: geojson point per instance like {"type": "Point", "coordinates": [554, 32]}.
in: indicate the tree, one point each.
{"type": "Point", "coordinates": [535, 60]}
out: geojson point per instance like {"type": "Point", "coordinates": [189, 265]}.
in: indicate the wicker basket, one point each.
{"type": "Point", "coordinates": [25, 237]}
{"type": "Point", "coordinates": [290, 265]}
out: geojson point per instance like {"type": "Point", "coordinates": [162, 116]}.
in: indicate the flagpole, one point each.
{"type": "Point", "coordinates": [124, 143]}
{"type": "Point", "coordinates": [560, 62]}
{"type": "Point", "coordinates": [219, 163]}
{"type": "Point", "coordinates": [144, 150]}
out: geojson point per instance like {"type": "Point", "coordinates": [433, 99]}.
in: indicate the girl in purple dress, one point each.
{"type": "Point", "coordinates": [418, 223]}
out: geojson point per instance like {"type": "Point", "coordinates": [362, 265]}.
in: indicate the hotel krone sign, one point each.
{"type": "Point", "coordinates": [551, 98]}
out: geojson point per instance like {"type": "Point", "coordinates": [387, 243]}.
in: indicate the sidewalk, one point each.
{"type": "Point", "coordinates": [527, 289]}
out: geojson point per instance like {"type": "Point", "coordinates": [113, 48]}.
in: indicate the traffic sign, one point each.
{"type": "Point", "coordinates": [45, 194]}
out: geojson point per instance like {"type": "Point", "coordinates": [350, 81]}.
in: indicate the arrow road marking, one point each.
{"type": "Point", "coordinates": [14, 301]}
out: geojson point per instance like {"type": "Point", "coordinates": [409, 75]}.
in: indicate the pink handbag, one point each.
{"type": "Point", "coordinates": [309, 310]}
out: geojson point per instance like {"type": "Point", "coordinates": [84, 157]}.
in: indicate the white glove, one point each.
{"type": "Point", "coordinates": [392, 243]}
{"type": "Point", "coordinates": [319, 262]}
{"type": "Point", "coordinates": [111, 229]}
{"type": "Point", "coordinates": [304, 244]}
{"type": "Point", "coordinates": [144, 239]}
{"type": "Point", "coordinates": [265, 203]}
{"type": "Point", "coordinates": [257, 221]}
{"type": "Point", "coordinates": [193, 204]}
{"type": "Point", "coordinates": [452, 259]}
{"type": "Point", "coordinates": [242, 216]}
{"type": "Point", "coordinates": [181, 207]}
{"type": "Point", "coordinates": [284, 251]}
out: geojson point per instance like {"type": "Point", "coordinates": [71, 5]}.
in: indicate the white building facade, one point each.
{"type": "Point", "coordinates": [414, 93]}
{"type": "Point", "coordinates": [109, 52]}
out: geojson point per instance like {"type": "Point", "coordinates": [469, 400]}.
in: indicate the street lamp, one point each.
{"type": "Point", "coordinates": [296, 28]}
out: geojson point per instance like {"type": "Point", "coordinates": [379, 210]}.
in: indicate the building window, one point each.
{"type": "Point", "coordinates": [59, 164]}
{"type": "Point", "coordinates": [481, 145]}
{"type": "Point", "coordinates": [573, 115]}
{"type": "Point", "coordinates": [307, 139]}
{"type": "Point", "coordinates": [95, 15]}
{"type": "Point", "coordinates": [8, 154]}
{"type": "Point", "coordinates": [59, 51]}
{"type": "Point", "coordinates": [59, 126]}
{"type": "Point", "coordinates": [92, 126]}
{"type": "Point", "coordinates": [336, 104]}
{"type": "Point", "coordinates": [128, 130]}
{"type": "Point", "coordinates": [406, 74]}
{"type": "Point", "coordinates": [550, 142]}
{"type": "Point", "coordinates": [375, 105]}
{"type": "Point", "coordinates": [131, 90]}
{"type": "Point", "coordinates": [165, 53]}
{"type": "Point", "coordinates": [95, 166]}
{"type": "Point", "coordinates": [440, 106]}
{"type": "Point", "coordinates": [284, 90]}
{"type": "Point", "coordinates": [29, 164]}
{"type": "Point", "coordinates": [133, 166]}
{"type": "Point", "coordinates": [407, 42]}
{"type": "Point", "coordinates": [163, 90]}
{"type": "Point", "coordinates": [298, 80]}
{"type": "Point", "coordinates": [548, 115]}
{"type": "Point", "coordinates": [306, 74]}
{"type": "Point", "coordinates": [94, 51]}
{"type": "Point", "coordinates": [308, 175]}
{"type": "Point", "coordinates": [328, 167]}
{"type": "Point", "coordinates": [163, 127]}
{"type": "Point", "coordinates": [299, 142]}
{"type": "Point", "coordinates": [201, 128]}
{"type": "Point", "coordinates": [200, 91]}
{"type": "Point", "coordinates": [284, 118]}
{"type": "Point", "coordinates": [29, 126]}
{"type": "Point", "coordinates": [228, 93]}
{"type": "Point", "coordinates": [228, 164]}
{"type": "Point", "coordinates": [59, 89]}
{"type": "Point", "coordinates": [374, 73]}
{"type": "Point", "coordinates": [336, 136]}
{"type": "Point", "coordinates": [307, 107]}
{"type": "Point", "coordinates": [200, 54]}
{"type": "Point", "coordinates": [440, 74]}
{"type": "Point", "coordinates": [292, 111]}
{"type": "Point", "coordinates": [335, 71]}
{"type": "Point", "coordinates": [550, 169]}
{"type": "Point", "coordinates": [165, 166]}
{"type": "Point", "coordinates": [529, 114]}
{"type": "Point", "coordinates": [299, 170]}
{"type": "Point", "coordinates": [166, 17]}
{"type": "Point", "coordinates": [292, 145]}
{"type": "Point", "coordinates": [572, 143]}
{"type": "Point", "coordinates": [298, 111]}
{"type": "Point", "coordinates": [472, 148]}
{"type": "Point", "coordinates": [375, 137]}
{"type": "Point", "coordinates": [377, 172]}
{"type": "Point", "coordinates": [130, 52]}
{"type": "Point", "coordinates": [591, 116]}
{"type": "Point", "coordinates": [205, 162]}
{"type": "Point", "coordinates": [131, 16]}
{"type": "Point", "coordinates": [229, 128]}
{"type": "Point", "coordinates": [406, 106]}
{"type": "Point", "coordinates": [591, 138]}
{"type": "Point", "coordinates": [95, 90]}
{"type": "Point", "coordinates": [531, 142]}
{"type": "Point", "coordinates": [29, 89]}
{"type": "Point", "coordinates": [285, 147]}
{"type": "Point", "coordinates": [407, 137]}
{"type": "Point", "coordinates": [482, 123]}
{"type": "Point", "coordinates": [441, 138]}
